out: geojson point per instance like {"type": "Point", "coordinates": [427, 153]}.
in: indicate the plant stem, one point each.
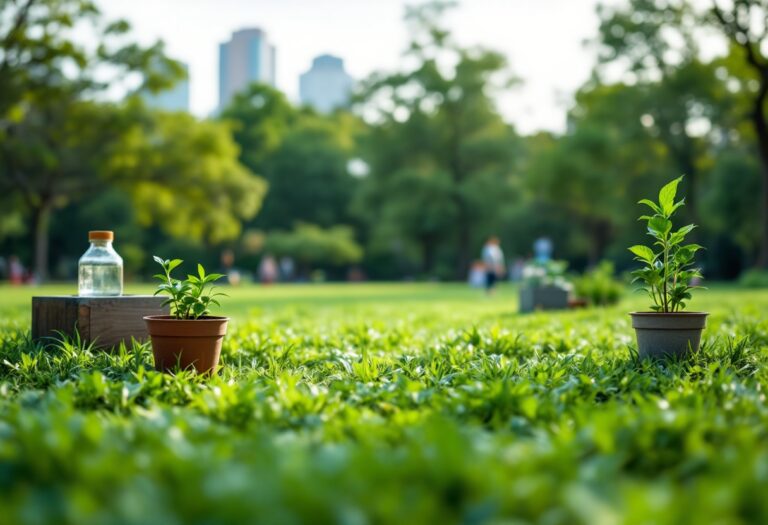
{"type": "Point", "coordinates": [665, 302]}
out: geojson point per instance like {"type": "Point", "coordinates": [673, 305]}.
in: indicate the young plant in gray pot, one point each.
{"type": "Point", "coordinates": [667, 278]}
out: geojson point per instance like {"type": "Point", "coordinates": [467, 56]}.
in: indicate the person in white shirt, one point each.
{"type": "Point", "coordinates": [493, 259]}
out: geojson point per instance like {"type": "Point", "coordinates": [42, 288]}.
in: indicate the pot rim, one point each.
{"type": "Point", "coordinates": [669, 314]}
{"type": "Point", "coordinates": [170, 318]}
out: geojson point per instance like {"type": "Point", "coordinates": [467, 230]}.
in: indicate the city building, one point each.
{"type": "Point", "coordinates": [173, 99]}
{"type": "Point", "coordinates": [326, 86]}
{"type": "Point", "coordinates": [248, 57]}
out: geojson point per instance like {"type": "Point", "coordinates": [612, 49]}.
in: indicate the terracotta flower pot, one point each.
{"type": "Point", "coordinates": [668, 334]}
{"type": "Point", "coordinates": [186, 342]}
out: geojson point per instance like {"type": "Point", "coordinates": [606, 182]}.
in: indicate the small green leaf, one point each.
{"type": "Point", "coordinates": [678, 236]}
{"type": "Point", "coordinates": [652, 205]}
{"type": "Point", "coordinates": [659, 226]}
{"type": "Point", "coordinates": [667, 196]}
{"type": "Point", "coordinates": [643, 252]}
{"type": "Point", "coordinates": [683, 255]}
{"type": "Point", "coordinates": [211, 277]}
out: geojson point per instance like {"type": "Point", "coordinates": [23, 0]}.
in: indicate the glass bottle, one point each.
{"type": "Point", "coordinates": [100, 270]}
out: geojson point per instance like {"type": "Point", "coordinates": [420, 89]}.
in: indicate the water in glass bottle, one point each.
{"type": "Point", "coordinates": [100, 270]}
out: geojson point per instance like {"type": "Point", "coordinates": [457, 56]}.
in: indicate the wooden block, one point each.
{"type": "Point", "coordinates": [106, 321]}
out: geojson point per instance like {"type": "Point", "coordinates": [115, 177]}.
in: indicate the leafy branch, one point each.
{"type": "Point", "coordinates": [190, 298]}
{"type": "Point", "coordinates": [668, 272]}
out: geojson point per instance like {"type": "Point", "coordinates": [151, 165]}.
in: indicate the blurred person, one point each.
{"type": "Point", "coordinates": [493, 260]}
{"type": "Point", "coordinates": [516, 270]}
{"type": "Point", "coordinates": [16, 272]}
{"type": "Point", "coordinates": [355, 275]}
{"type": "Point", "coordinates": [228, 265]}
{"type": "Point", "coordinates": [287, 267]}
{"type": "Point", "coordinates": [477, 275]}
{"type": "Point", "coordinates": [268, 271]}
{"type": "Point", "coordinates": [227, 259]}
{"type": "Point", "coordinates": [234, 277]}
{"type": "Point", "coordinates": [542, 249]}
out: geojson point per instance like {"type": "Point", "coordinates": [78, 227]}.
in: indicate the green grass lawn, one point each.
{"type": "Point", "coordinates": [392, 403]}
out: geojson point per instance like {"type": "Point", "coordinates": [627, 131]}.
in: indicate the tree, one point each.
{"type": "Point", "coordinates": [302, 155]}
{"type": "Point", "coordinates": [308, 173]}
{"type": "Point", "coordinates": [312, 245]}
{"type": "Point", "coordinates": [745, 24]}
{"type": "Point", "coordinates": [686, 102]}
{"type": "Point", "coordinates": [659, 39]}
{"type": "Point", "coordinates": [184, 176]}
{"type": "Point", "coordinates": [439, 152]}
{"type": "Point", "coordinates": [261, 117]}
{"type": "Point", "coordinates": [730, 201]}
{"type": "Point", "coordinates": [596, 170]}
{"type": "Point", "coordinates": [52, 140]}
{"type": "Point", "coordinates": [56, 154]}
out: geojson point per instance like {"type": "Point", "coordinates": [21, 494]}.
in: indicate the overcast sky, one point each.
{"type": "Point", "coordinates": [542, 39]}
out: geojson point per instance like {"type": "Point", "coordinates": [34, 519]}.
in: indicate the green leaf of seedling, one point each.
{"type": "Point", "coordinates": [651, 276]}
{"type": "Point", "coordinates": [678, 236]}
{"type": "Point", "coordinates": [643, 253]}
{"type": "Point", "coordinates": [201, 271]}
{"type": "Point", "coordinates": [213, 277]}
{"type": "Point", "coordinates": [173, 264]}
{"type": "Point", "coordinates": [659, 226]}
{"type": "Point", "coordinates": [667, 196]}
{"type": "Point", "coordinates": [158, 260]}
{"type": "Point", "coordinates": [199, 309]}
{"type": "Point", "coordinates": [686, 275]}
{"type": "Point", "coordinates": [679, 203]}
{"type": "Point", "coordinates": [652, 205]}
{"type": "Point", "coordinates": [684, 255]}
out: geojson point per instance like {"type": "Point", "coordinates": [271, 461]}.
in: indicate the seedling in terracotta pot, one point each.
{"type": "Point", "coordinates": [667, 277]}
{"type": "Point", "coordinates": [190, 337]}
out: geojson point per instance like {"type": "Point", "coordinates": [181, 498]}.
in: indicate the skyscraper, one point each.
{"type": "Point", "coordinates": [248, 57]}
{"type": "Point", "coordinates": [173, 99]}
{"type": "Point", "coordinates": [326, 86]}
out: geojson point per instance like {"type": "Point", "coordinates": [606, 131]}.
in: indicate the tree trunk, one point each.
{"type": "Point", "coordinates": [761, 130]}
{"type": "Point", "coordinates": [458, 175]}
{"type": "Point", "coordinates": [427, 254]}
{"type": "Point", "coordinates": [600, 234]}
{"type": "Point", "coordinates": [463, 246]}
{"type": "Point", "coordinates": [41, 225]}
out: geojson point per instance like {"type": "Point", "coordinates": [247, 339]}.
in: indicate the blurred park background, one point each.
{"type": "Point", "coordinates": [406, 172]}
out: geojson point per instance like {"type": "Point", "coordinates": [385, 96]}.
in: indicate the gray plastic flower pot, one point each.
{"type": "Point", "coordinates": [668, 334]}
